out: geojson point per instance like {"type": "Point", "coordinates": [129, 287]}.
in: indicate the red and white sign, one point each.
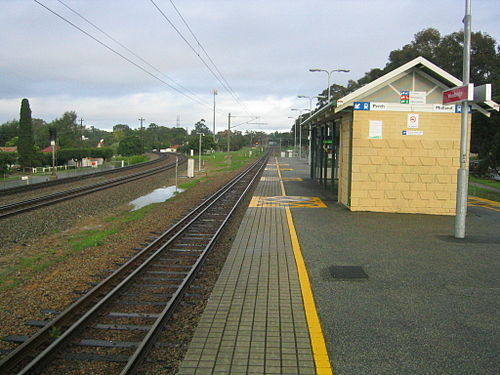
{"type": "Point", "coordinates": [412, 122]}
{"type": "Point", "coordinates": [459, 94]}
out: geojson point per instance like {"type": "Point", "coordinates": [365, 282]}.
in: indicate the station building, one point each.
{"type": "Point", "coordinates": [391, 146]}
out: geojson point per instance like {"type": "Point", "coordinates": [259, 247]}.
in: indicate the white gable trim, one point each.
{"type": "Point", "coordinates": [389, 77]}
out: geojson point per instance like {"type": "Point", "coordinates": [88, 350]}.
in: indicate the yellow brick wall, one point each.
{"type": "Point", "coordinates": [345, 131]}
{"type": "Point", "coordinates": [407, 174]}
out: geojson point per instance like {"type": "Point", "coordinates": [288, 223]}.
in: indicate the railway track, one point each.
{"type": "Point", "coordinates": [18, 207]}
{"type": "Point", "coordinates": [66, 180]}
{"type": "Point", "coordinates": [116, 323]}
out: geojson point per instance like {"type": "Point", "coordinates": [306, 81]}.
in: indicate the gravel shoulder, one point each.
{"type": "Point", "coordinates": [78, 241]}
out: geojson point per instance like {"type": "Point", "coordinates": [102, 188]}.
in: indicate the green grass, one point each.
{"type": "Point", "coordinates": [238, 159]}
{"type": "Point", "coordinates": [190, 184]}
{"type": "Point", "coordinates": [485, 181]}
{"type": "Point", "coordinates": [90, 238]}
{"type": "Point", "coordinates": [28, 265]}
{"type": "Point", "coordinates": [130, 160]}
{"type": "Point", "coordinates": [129, 216]}
{"type": "Point", "coordinates": [484, 193]}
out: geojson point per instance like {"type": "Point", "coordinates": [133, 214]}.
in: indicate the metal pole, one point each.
{"type": "Point", "coordinates": [176, 173]}
{"type": "Point", "coordinates": [215, 93]}
{"type": "Point", "coordinates": [294, 138]}
{"type": "Point", "coordinates": [463, 172]}
{"type": "Point", "coordinates": [329, 94]}
{"type": "Point", "coordinates": [300, 137]}
{"type": "Point", "coordinates": [142, 134]}
{"type": "Point", "coordinates": [310, 139]}
{"type": "Point", "coordinates": [53, 144]}
{"type": "Point", "coordinates": [81, 131]}
{"type": "Point", "coordinates": [199, 155]}
{"type": "Point", "coordinates": [228, 132]}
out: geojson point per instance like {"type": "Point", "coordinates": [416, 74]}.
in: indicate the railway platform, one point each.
{"type": "Point", "coordinates": [312, 288]}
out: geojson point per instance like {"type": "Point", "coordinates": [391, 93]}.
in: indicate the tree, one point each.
{"type": "Point", "coordinates": [6, 160]}
{"type": "Point", "coordinates": [25, 147]}
{"type": "Point", "coordinates": [200, 127]}
{"type": "Point", "coordinates": [68, 131]}
{"type": "Point", "coordinates": [130, 145]}
{"type": "Point", "coordinates": [446, 52]}
{"type": "Point", "coordinates": [8, 130]}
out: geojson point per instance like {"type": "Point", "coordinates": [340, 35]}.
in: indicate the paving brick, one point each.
{"type": "Point", "coordinates": [255, 314]}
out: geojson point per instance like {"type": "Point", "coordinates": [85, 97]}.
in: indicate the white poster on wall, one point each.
{"type": "Point", "coordinates": [418, 97]}
{"type": "Point", "coordinates": [375, 130]}
{"type": "Point", "coordinates": [412, 122]}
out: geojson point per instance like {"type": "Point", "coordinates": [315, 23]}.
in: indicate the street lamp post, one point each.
{"type": "Point", "coordinates": [329, 72]}
{"type": "Point", "coordinates": [199, 152]}
{"type": "Point", "coordinates": [294, 135]}
{"type": "Point", "coordinates": [300, 129]}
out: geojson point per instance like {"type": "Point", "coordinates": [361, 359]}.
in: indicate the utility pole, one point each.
{"type": "Point", "coordinates": [81, 131]}
{"type": "Point", "coordinates": [142, 133]}
{"type": "Point", "coordinates": [228, 132]}
{"type": "Point", "coordinates": [215, 93]}
{"type": "Point", "coordinates": [199, 152]}
{"type": "Point", "coordinates": [463, 172]}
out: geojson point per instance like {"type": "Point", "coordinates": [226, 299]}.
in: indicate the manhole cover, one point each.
{"type": "Point", "coordinates": [348, 272]}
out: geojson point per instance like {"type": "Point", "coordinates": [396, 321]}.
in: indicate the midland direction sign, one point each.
{"type": "Point", "coordinates": [459, 94]}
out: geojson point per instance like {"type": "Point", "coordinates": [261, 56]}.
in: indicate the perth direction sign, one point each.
{"type": "Point", "coordinates": [459, 94]}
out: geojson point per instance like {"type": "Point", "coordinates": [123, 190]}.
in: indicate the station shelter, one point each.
{"type": "Point", "coordinates": [391, 146]}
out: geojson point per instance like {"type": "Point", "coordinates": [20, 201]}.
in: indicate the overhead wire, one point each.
{"type": "Point", "coordinates": [208, 56]}
{"type": "Point", "coordinates": [181, 35]}
{"type": "Point", "coordinates": [130, 51]}
{"type": "Point", "coordinates": [121, 55]}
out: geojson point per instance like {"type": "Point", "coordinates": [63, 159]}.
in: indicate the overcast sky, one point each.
{"type": "Point", "coordinates": [263, 48]}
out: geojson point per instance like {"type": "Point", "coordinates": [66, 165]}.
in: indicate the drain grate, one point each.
{"type": "Point", "coordinates": [348, 272]}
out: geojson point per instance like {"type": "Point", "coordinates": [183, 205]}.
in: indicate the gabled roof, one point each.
{"type": "Point", "coordinates": [429, 69]}
{"type": "Point", "coordinates": [420, 62]}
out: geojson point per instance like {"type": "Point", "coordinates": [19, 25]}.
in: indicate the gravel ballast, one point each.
{"type": "Point", "coordinates": [52, 286]}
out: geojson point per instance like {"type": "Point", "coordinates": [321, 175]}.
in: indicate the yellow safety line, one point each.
{"type": "Point", "coordinates": [320, 354]}
{"type": "Point", "coordinates": [483, 202]}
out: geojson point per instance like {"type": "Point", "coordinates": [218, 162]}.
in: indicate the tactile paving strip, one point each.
{"type": "Point", "coordinates": [287, 201]}
{"type": "Point", "coordinates": [486, 203]}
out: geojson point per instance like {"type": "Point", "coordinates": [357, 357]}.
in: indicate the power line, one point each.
{"type": "Point", "coordinates": [121, 55]}
{"type": "Point", "coordinates": [198, 55]}
{"type": "Point", "coordinates": [130, 51]}
{"type": "Point", "coordinates": [208, 56]}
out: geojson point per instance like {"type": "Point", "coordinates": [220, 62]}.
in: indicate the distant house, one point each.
{"type": "Point", "coordinates": [171, 148]}
{"type": "Point", "coordinates": [49, 149]}
{"type": "Point", "coordinates": [8, 149]}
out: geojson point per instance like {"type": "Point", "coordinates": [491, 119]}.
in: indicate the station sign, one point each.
{"type": "Point", "coordinates": [361, 106]}
{"type": "Point", "coordinates": [413, 97]}
{"type": "Point", "coordinates": [482, 93]}
{"type": "Point", "coordinates": [459, 94]}
{"type": "Point", "coordinates": [398, 107]}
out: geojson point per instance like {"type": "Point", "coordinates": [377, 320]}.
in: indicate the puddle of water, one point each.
{"type": "Point", "coordinates": [157, 196]}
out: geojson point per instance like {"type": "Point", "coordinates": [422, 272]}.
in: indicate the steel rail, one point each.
{"type": "Point", "coordinates": [41, 185]}
{"type": "Point", "coordinates": [39, 362]}
{"type": "Point", "coordinates": [49, 199]}
{"type": "Point", "coordinates": [141, 352]}
{"type": "Point", "coordinates": [73, 313]}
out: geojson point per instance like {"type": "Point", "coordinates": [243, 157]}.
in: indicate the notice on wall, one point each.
{"type": "Point", "coordinates": [375, 130]}
{"type": "Point", "coordinates": [418, 97]}
{"type": "Point", "coordinates": [412, 132]}
{"type": "Point", "coordinates": [412, 122]}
